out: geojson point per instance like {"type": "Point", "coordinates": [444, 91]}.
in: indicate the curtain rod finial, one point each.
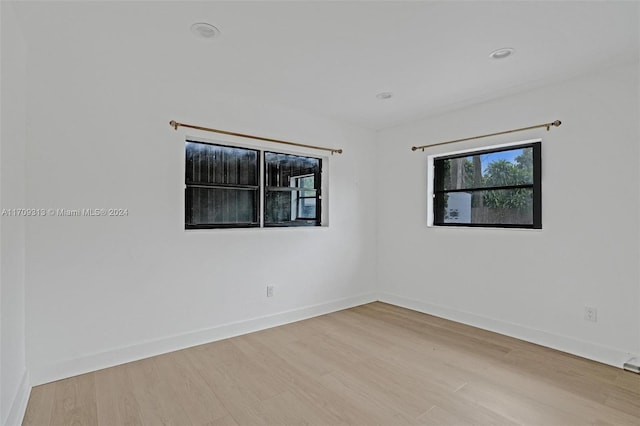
{"type": "Point", "coordinates": [414, 148]}
{"type": "Point", "coordinates": [555, 124]}
{"type": "Point", "coordinates": [173, 124]}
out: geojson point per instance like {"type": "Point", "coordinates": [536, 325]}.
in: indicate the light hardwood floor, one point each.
{"type": "Point", "coordinates": [373, 364]}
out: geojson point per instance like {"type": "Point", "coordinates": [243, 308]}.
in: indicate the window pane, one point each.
{"type": "Point", "coordinates": [503, 168]}
{"type": "Point", "coordinates": [286, 207]}
{"type": "Point", "coordinates": [220, 206]}
{"type": "Point", "coordinates": [292, 190]}
{"type": "Point", "coordinates": [216, 164]}
{"type": "Point", "coordinates": [306, 208]}
{"type": "Point", "coordinates": [502, 206]}
{"type": "Point", "coordinates": [304, 182]}
{"type": "Point", "coordinates": [277, 207]}
{"type": "Point", "coordinates": [285, 170]}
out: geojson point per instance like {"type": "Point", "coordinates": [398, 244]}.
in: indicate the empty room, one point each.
{"type": "Point", "coordinates": [320, 213]}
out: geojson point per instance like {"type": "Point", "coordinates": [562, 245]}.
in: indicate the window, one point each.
{"type": "Point", "coordinates": [491, 188]}
{"type": "Point", "coordinates": [292, 191]}
{"type": "Point", "coordinates": [224, 187]}
{"type": "Point", "coordinates": [221, 186]}
{"type": "Point", "coordinates": [305, 202]}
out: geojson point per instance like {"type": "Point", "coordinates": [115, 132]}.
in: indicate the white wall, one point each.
{"type": "Point", "coordinates": [526, 283]}
{"type": "Point", "coordinates": [105, 290]}
{"type": "Point", "coordinates": [14, 383]}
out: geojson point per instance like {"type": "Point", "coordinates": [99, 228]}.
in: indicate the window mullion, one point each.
{"type": "Point", "coordinates": [262, 201]}
{"type": "Point", "coordinates": [485, 188]}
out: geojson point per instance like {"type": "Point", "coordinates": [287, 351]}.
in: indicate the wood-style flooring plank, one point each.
{"type": "Point", "coordinates": [192, 392]}
{"type": "Point", "coordinates": [74, 401]}
{"type": "Point", "coordinates": [40, 405]}
{"type": "Point", "coordinates": [155, 394]}
{"type": "Point", "coordinates": [116, 402]}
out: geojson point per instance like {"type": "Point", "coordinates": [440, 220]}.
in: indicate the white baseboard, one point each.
{"type": "Point", "coordinates": [85, 364]}
{"type": "Point", "coordinates": [567, 344]}
{"type": "Point", "coordinates": [19, 405]}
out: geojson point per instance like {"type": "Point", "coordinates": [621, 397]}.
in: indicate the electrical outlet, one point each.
{"type": "Point", "coordinates": [269, 291]}
{"type": "Point", "coordinates": [590, 314]}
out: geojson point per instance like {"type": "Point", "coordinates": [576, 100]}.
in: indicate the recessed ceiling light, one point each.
{"type": "Point", "coordinates": [502, 53]}
{"type": "Point", "coordinates": [204, 30]}
{"type": "Point", "coordinates": [384, 95]}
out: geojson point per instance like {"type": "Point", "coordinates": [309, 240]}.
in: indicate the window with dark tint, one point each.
{"type": "Point", "coordinates": [222, 188]}
{"type": "Point", "coordinates": [291, 190]}
{"type": "Point", "coordinates": [491, 188]}
{"type": "Point", "coordinates": [223, 185]}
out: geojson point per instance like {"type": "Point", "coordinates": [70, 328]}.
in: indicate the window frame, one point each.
{"type": "Point", "coordinates": [255, 188]}
{"type": "Point", "coordinates": [299, 222]}
{"type": "Point", "coordinates": [536, 185]}
{"type": "Point", "coordinates": [322, 220]}
{"type": "Point", "coordinates": [298, 200]}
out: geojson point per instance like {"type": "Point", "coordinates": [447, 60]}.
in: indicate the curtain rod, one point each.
{"type": "Point", "coordinates": [547, 125]}
{"type": "Point", "coordinates": [176, 124]}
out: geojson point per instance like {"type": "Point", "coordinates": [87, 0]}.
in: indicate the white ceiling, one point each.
{"type": "Point", "coordinates": [331, 58]}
